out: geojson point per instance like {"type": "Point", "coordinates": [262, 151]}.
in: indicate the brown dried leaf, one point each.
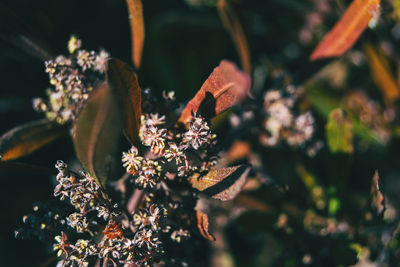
{"type": "Point", "coordinates": [347, 30]}
{"type": "Point", "coordinates": [135, 9]}
{"type": "Point", "coordinates": [227, 86]}
{"type": "Point", "coordinates": [381, 74]}
{"type": "Point", "coordinates": [232, 24]}
{"type": "Point", "coordinates": [203, 224]}
{"type": "Point", "coordinates": [377, 197]}
{"type": "Point", "coordinates": [25, 139]}
{"type": "Point", "coordinates": [97, 132]}
{"type": "Point", "coordinates": [223, 183]}
{"type": "Point", "coordinates": [124, 80]}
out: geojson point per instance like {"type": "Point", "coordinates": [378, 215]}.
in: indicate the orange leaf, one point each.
{"type": "Point", "coordinates": [227, 85]}
{"type": "Point", "coordinates": [238, 150]}
{"type": "Point", "coordinates": [203, 224]}
{"type": "Point", "coordinates": [349, 28]}
{"type": "Point", "coordinates": [223, 183]}
{"type": "Point", "coordinates": [382, 75]}
{"type": "Point", "coordinates": [232, 24]}
{"type": "Point", "coordinates": [124, 80]}
{"type": "Point", "coordinates": [27, 138]}
{"type": "Point", "coordinates": [137, 30]}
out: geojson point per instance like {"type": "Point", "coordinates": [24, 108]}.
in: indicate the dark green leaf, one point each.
{"type": "Point", "coordinates": [25, 139]}
{"type": "Point", "coordinates": [97, 132]}
{"type": "Point", "coordinates": [124, 81]}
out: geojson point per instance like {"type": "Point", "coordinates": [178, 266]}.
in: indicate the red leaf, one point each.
{"type": "Point", "coordinates": [203, 224]}
{"type": "Point", "coordinates": [137, 30]}
{"type": "Point", "coordinates": [228, 86]}
{"type": "Point", "coordinates": [124, 80]}
{"type": "Point", "coordinates": [347, 30]}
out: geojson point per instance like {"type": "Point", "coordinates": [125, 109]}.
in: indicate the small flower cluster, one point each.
{"type": "Point", "coordinates": [184, 151]}
{"type": "Point", "coordinates": [124, 240]}
{"type": "Point", "coordinates": [168, 157]}
{"type": "Point", "coordinates": [281, 123]}
{"type": "Point", "coordinates": [72, 79]}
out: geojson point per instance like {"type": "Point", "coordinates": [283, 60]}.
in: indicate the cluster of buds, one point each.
{"type": "Point", "coordinates": [72, 79]}
{"type": "Point", "coordinates": [281, 122]}
{"type": "Point", "coordinates": [46, 220]}
{"type": "Point", "coordinates": [126, 239]}
{"type": "Point", "coordinates": [169, 156]}
{"type": "Point", "coordinates": [182, 153]}
{"type": "Point", "coordinates": [164, 216]}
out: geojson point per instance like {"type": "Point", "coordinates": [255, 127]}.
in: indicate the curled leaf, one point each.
{"type": "Point", "coordinates": [381, 74]}
{"type": "Point", "coordinates": [136, 20]}
{"type": "Point", "coordinates": [223, 183]}
{"type": "Point", "coordinates": [124, 81]}
{"type": "Point", "coordinates": [97, 131]}
{"type": "Point", "coordinates": [339, 132]}
{"type": "Point", "coordinates": [203, 225]}
{"type": "Point", "coordinates": [25, 139]}
{"type": "Point", "coordinates": [232, 24]}
{"type": "Point", "coordinates": [347, 30]}
{"type": "Point", "coordinates": [377, 197]}
{"type": "Point", "coordinates": [225, 87]}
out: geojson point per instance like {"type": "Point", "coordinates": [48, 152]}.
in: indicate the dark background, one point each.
{"type": "Point", "coordinates": [183, 45]}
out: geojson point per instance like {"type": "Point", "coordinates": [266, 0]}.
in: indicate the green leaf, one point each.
{"type": "Point", "coordinates": [25, 139]}
{"type": "Point", "coordinates": [339, 132]}
{"type": "Point", "coordinates": [324, 102]}
{"type": "Point", "coordinates": [124, 81]}
{"type": "Point", "coordinates": [223, 183]}
{"type": "Point", "coordinates": [97, 133]}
